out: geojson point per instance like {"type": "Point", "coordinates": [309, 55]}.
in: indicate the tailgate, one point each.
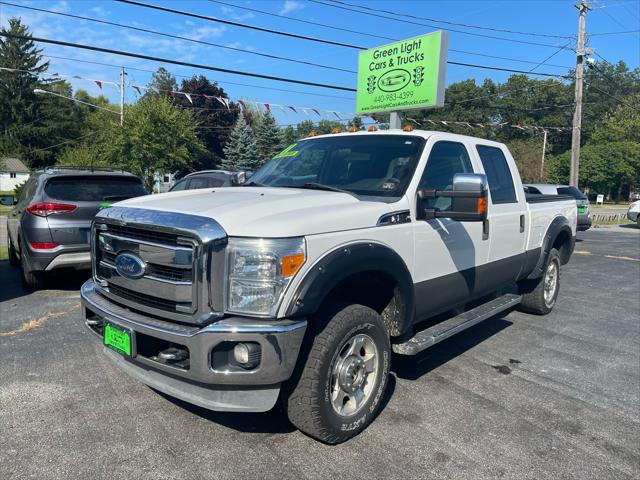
{"type": "Point", "coordinates": [88, 194]}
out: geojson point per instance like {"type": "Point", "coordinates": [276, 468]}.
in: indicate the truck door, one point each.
{"type": "Point", "coordinates": [447, 252]}
{"type": "Point", "coordinates": [507, 215]}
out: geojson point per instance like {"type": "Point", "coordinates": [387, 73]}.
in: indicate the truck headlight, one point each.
{"type": "Point", "coordinates": [258, 272]}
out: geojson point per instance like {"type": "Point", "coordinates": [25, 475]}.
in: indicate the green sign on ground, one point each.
{"type": "Point", "coordinates": [404, 75]}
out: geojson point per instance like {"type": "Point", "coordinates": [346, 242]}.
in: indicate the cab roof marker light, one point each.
{"type": "Point", "coordinates": [372, 128]}
{"type": "Point", "coordinates": [407, 128]}
{"type": "Point", "coordinates": [336, 130]}
{"type": "Point", "coordinates": [312, 133]}
{"type": "Point", "coordinates": [353, 129]}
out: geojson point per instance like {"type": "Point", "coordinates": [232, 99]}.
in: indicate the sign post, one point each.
{"type": "Point", "coordinates": [405, 75]}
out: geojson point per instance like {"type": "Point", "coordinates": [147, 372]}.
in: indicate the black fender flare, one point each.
{"type": "Point", "coordinates": [343, 262]}
{"type": "Point", "coordinates": [557, 226]}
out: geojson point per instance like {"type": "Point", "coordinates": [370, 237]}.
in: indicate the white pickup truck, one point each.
{"type": "Point", "coordinates": [299, 284]}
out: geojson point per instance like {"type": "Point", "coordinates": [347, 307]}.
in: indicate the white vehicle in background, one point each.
{"type": "Point", "coordinates": [633, 213]}
{"type": "Point", "coordinates": [299, 284]}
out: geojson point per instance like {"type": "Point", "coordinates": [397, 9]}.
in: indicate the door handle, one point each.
{"type": "Point", "coordinates": [521, 223]}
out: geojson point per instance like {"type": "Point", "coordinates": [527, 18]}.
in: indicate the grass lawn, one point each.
{"type": "Point", "coordinates": [5, 209]}
{"type": "Point", "coordinates": [610, 205]}
{"type": "Point", "coordinates": [4, 253]}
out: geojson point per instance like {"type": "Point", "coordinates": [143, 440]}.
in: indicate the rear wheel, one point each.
{"type": "Point", "coordinates": [30, 280]}
{"type": "Point", "coordinates": [539, 295]}
{"type": "Point", "coordinates": [337, 390]}
{"type": "Point", "coordinates": [14, 261]}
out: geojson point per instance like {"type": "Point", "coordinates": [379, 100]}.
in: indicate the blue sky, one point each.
{"type": "Point", "coordinates": [549, 17]}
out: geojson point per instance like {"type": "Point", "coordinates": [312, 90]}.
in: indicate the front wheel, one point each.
{"type": "Point", "coordinates": [337, 390]}
{"type": "Point", "coordinates": [539, 296]}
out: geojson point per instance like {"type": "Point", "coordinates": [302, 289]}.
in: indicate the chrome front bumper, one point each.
{"type": "Point", "coordinates": [200, 383]}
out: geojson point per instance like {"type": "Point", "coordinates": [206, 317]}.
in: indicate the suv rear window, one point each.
{"type": "Point", "coordinates": [573, 191]}
{"type": "Point", "coordinates": [94, 189]}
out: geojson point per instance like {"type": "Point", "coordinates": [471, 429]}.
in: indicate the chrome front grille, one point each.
{"type": "Point", "coordinates": [177, 257]}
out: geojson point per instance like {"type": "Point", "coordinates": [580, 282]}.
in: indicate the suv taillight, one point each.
{"type": "Point", "coordinates": [44, 209]}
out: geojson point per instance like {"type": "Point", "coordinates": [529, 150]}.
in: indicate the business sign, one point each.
{"type": "Point", "coordinates": [404, 75]}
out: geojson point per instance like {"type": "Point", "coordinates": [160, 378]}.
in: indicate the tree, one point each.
{"type": "Point", "coordinates": [269, 138]}
{"type": "Point", "coordinates": [156, 137]}
{"type": "Point", "coordinates": [241, 149]}
{"type": "Point", "coordinates": [528, 156]}
{"type": "Point", "coordinates": [162, 83]}
{"type": "Point", "coordinates": [18, 103]}
{"type": "Point", "coordinates": [214, 117]}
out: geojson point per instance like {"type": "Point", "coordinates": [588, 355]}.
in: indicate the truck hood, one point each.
{"type": "Point", "coordinates": [269, 211]}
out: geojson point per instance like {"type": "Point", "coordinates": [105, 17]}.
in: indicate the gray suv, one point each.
{"type": "Point", "coordinates": [50, 223]}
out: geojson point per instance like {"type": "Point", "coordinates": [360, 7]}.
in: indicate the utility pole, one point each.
{"type": "Point", "coordinates": [582, 7]}
{"type": "Point", "coordinates": [122, 74]}
{"type": "Point", "coordinates": [544, 150]}
{"type": "Point", "coordinates": [394, 120]}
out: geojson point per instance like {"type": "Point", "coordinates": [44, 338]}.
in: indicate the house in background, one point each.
{"type": "Point", "coordinates": [12, 173]}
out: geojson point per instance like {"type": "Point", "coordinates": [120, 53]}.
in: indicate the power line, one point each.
{"type": "Point", "coordinates": [178, 37]}
{"type": "Point", "coordinates": [613, 33]}
{"type": "Point", "coordinates": [66, 141]}
{"type": "Point", "coordinates": [176, 62]}
{"type": "Point", "coordinates": [487, 67]}
{"type": "Point", "coordinates": [378, 36]}
{"type": "Point", "coordinates": [506, 58]}
{"type": "Point", "coordinates": [466, 25]}
{"type": "Point", "coordinates": [300, 20]}
{"type": "Point", "coordinates": [191, 76]}
{"type": "Point", "coordinates": [525, 42]}
{"type": "Point", "coordinates": [236, 24]}
{"type": "Point", "coordinates": [550, 57]}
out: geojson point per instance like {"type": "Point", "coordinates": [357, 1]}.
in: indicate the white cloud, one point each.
{"type": "Point", "coordinates": [290, 6]}
{"type": "Point", "coordinates": [205, 32]}
{"type": "Point", "coordinates": [238, 17]}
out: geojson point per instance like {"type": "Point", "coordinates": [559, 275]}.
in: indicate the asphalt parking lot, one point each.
{"type": "Point", "coordinates": [518, 396]}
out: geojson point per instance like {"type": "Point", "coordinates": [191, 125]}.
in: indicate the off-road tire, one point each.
{"type": "Point", "coordinates": [31, 281]}
{"type": "Point", "coordinates": [14, 261]}
{"type": "Point", "coordinates": [533, 291]}
{"type": "Point", "coordinates": [307, 395]}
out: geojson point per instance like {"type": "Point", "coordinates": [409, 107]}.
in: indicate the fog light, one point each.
{"type": "Point", "coordinates": [247, 354]}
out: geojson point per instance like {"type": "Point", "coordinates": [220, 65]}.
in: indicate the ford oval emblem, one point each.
{"type": "Point", "coordinates": [130, 266]}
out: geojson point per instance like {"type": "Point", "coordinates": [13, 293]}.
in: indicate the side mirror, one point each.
{"type": "Point", "coordinates": [15, 200]}
{"type": "Point", "coordinates": [469, 200]}
{"type": "Point", "coordinates": [238, 178]}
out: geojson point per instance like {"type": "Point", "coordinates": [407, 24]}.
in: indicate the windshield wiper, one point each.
{"type": "Point", "coordinates": [320, 186]}
{"type": "Point", "coordinates": [253, 184]}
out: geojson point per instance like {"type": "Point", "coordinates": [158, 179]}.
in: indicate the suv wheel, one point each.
{"type": "Point", "coordinates": [336, 392]}
{"type": "Point", "coordinates": [30, 280]}
{"type": "Point", "coordinates": [14, 261]}
{"type": "Point", "coordinates": [539, 296]}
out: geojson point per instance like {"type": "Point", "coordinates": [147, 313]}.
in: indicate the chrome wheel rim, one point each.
{"type": "Point", "coordinates": [353, 374]}
{"type": "Point", "coordinates": [551, 282]}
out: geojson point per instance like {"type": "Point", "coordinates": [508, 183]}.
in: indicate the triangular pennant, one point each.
{"type": "Point", "coordinates": [137, 89]}
{"type": "Point", "coordinates": [293, 109]}
{"type": "Point", "coordinates": [267, 107]}
{"type": "Point", "coordinates": [315, 110]}
{"type": "Point", "coordinates": [99, 83]}
{"type": "Point", "coordinates": [242, 104]}
{"type": "Point", "coordinates": [188, 98]}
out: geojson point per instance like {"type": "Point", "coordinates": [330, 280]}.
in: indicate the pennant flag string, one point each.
{"type": "Point", "coordinates": [61, 75]}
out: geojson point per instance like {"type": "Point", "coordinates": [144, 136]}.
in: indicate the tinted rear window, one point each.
{"type": "Point", "coordinates": [573, 191]}
{"type": "Point", "coordinates": [205, 182]}
{"type": "Point", "coordinates": [93, 189]}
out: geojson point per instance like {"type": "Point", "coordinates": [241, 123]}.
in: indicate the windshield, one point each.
{"type": "Point", "coordinates": [361, 164]}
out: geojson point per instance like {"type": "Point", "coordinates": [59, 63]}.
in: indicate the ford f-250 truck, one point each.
{"type": "Point", "coordinates": [299, 284]}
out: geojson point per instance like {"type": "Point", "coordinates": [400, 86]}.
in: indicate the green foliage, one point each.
{"type": "Point", "coordinates": [157, 137]}
{"type": "Point", "coordinates": [214, 118]}
{"type": "Point", "coordinates": [161, 84]}
{"type": "Point", "coordinates": [17, 191]}
{"type": "Point", "coordinates": [528, 156]}
{"type": "Point", "coordinates": [241, 149]}
{"type": "Point", "coordinates": [269, 138]}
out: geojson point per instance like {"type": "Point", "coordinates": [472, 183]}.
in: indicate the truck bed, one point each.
{"type": "Point", "coordinates": [543, 209]}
